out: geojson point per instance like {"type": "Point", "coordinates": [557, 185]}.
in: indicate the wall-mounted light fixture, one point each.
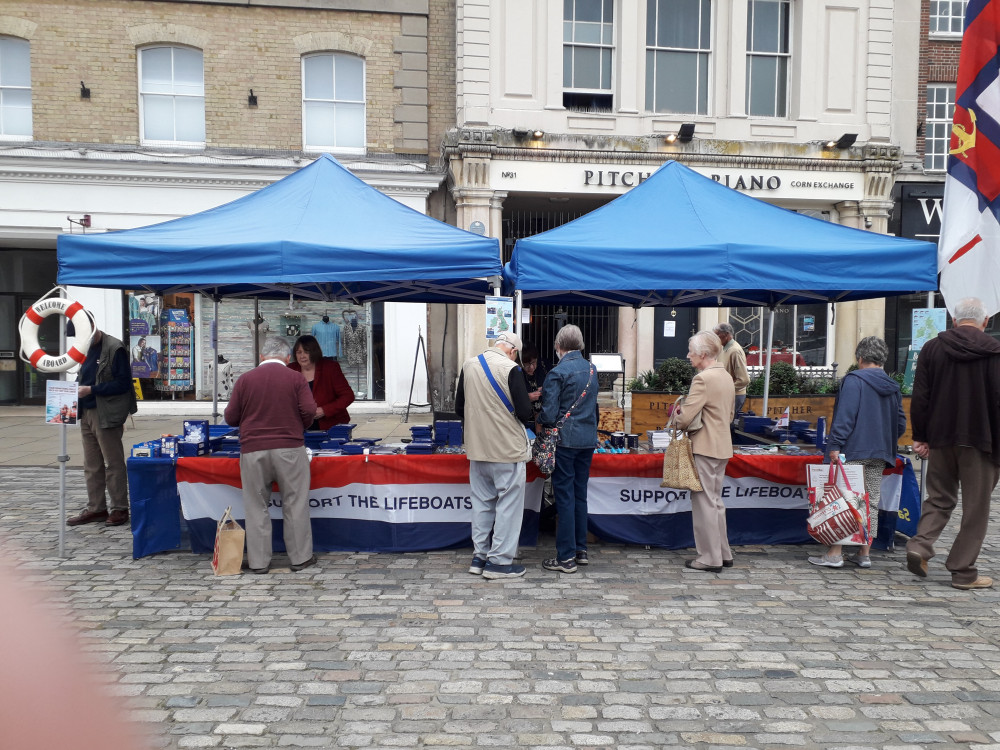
{"type": "Point", "coordinates": [83, 221]}
{"type": "Point", "coordinates": [845, 141]}
{"type": "Point", "coordinates": [84, 91]}
{"type": "Point", "coordinates": [519, 133]}
{"type": "Point", "coordinates": [684, 133]}
{"type": "Point", "coordinates": [252, 99]}
{"type": "Point", "coordinates": [868, 223]}
{"type": "Point", "coordinates": [537, 134]}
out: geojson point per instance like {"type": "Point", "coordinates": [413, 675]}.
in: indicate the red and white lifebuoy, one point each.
{"type": "Point", "coordinates": [28, 328]}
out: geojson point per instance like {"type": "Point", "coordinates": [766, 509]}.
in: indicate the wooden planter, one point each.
{"type": "Point", "coordinates": [650, 409]}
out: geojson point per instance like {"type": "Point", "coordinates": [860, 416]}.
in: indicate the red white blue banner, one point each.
{"type": "Point", "coordinates": [969, 246]}
{"type": "Point", "coordinates": [387, 503]}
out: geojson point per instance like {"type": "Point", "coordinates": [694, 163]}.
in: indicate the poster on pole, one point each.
{"type": "Point", "coordinates": [499, 316]}
{"type": "Point", "coordinates": [60, 402]}
{"type": "Point", "coordinates": [928, 322]}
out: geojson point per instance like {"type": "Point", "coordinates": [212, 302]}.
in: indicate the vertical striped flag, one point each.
{"type": "Point", "coordinates": [969, 247]}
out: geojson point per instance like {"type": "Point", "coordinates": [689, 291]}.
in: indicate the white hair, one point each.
{"type": "Point", "coordinates": [970, 308]}
{"type": "Point", "coordinates": [275, 348]}
{"type": "Point", "coordinates": [706, 344]}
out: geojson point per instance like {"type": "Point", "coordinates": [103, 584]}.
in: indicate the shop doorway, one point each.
{"type": "Point", "coordinates": [522, 217]}
{"type": "Point", "coordinates": [673, 327]}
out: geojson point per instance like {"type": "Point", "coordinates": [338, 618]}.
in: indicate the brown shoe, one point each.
{"type": "Point", "coordinates": [983, 582]}
{"type": "Point", "coordinates": [88, 516]}
{"type": "Point", "coordinates": [117, 518]}
{"type": "Point", "coordinates": [916, 564]}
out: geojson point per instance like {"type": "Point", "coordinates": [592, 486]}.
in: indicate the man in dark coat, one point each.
{"type": "Point", "coordinates": [956, 427]}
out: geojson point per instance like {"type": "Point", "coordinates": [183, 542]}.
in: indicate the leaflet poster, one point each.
{"type": "Point", "coordinates": [499, 316]}
{"type": "Point", "coordinates": [60, 402]}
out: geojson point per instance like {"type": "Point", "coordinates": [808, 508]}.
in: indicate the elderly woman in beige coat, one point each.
{"type": "Point", "coordinates": [712, 395]}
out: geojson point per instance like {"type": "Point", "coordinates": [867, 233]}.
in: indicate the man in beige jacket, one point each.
{"type": "Point", "coordinates": [734, 359]}
{"type": "Point", "coordinates": [493, 401]}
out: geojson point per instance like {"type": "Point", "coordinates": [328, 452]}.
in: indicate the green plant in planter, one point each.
{"type": "Point", "coordinates": [645, 381]}
{"type": "Point", "coordinates": [675, 374]}
{"type": "Point", "coordinates": [785, 381]}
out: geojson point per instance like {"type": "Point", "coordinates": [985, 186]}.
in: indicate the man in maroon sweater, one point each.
{"type": "Point", "coordinates": [272, 406]}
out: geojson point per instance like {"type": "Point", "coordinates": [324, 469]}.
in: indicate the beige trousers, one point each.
{"type": "Point", "coordinates": [708, 513]}
{"type": "Point", "coordinates": [289, 467]}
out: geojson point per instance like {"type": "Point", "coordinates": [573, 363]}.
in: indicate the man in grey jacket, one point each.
{"type": "Point", "coordinates": [493, 402]}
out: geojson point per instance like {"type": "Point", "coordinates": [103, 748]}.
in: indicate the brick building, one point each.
{"type": "Point", "coordinates": [123, 113]}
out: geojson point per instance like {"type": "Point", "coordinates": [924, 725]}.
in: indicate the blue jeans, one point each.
{"type": "Point", "coordinates": [569, 485]}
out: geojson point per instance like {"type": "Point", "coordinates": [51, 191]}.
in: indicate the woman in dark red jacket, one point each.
{"type": "Point", "coordinates": [329, 387]}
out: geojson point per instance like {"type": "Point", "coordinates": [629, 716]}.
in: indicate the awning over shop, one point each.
{"type": "Point", "coordinates": [320, 233]}
{"type": "Point", "coordinates": [681, 239]}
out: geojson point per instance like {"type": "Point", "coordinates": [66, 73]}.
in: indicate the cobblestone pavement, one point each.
{"type": "Point", "coordinates": [634, 651]}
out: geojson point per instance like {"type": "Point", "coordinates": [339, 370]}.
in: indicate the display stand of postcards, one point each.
{"type": "Point", "coordinates": [176, 370]}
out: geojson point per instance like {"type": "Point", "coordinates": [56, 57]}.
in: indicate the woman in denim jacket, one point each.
{"type": "Point", "coordinates": [577, 438]}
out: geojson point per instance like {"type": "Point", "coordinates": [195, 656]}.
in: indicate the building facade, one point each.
{"type": "Point", "coordinates": [565, 104]}
{"type": "Point", "coordinates": [124, 113]}
{"type": "Point", "coordinates": [919, 189]}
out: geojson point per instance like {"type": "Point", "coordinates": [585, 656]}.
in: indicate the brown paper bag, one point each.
{"type": "Point", "coordinates": [227, 560]}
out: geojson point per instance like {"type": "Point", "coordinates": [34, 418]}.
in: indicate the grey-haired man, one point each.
{"type": "Point", "coordinates": [493, 401]}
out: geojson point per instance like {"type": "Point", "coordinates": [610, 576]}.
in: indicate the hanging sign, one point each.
{"type": "Point", "coordinates": [499, 316]}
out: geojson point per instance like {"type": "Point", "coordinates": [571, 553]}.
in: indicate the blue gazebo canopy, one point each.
{"type": "Point", "coordinates": [320, 233]}
{"type": "Point", "coordinates": [682, 239]}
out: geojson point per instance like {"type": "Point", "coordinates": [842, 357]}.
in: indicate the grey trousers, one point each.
{"type": "Point", "coordinates": [103, 464]}
{"type": "Point", "coordinates": [497, 508]}
{"type": "Point", "coordinates": [947, 469]}
{"type": "Point", "coordinates": [708, 513]}
{"type": "Point", "coordinates": [289, 467]}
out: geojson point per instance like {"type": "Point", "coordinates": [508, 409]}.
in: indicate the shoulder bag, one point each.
{"type": "Point", "coordinates": [543, 452]}
{"type": "Point", "coordinates": [695, 423]}
{"type": "Point", "coordinates": [679, 471]}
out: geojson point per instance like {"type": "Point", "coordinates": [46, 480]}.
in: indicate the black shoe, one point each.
{"type": "Point", "coordinates": [581, 558]}
{"type": "Point", "coordinates": [695, 565]}
{"type": "Point", "coordinates": [257, 571]}
{"type": "Point", "coordinates": [727, 563]}
{"type": "Point", "coordinates": [303, 565]}
{"type": "Point", "coordinates": [561, 566]}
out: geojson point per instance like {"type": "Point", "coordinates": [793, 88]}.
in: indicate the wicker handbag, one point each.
{"type": "Point", "coordinates": [679, 471]}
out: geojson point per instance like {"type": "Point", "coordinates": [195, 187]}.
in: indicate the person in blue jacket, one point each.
{"type": "Point", "coordinates": [571, 387]}
{"type": "Point", "coordinates": [868, 420]}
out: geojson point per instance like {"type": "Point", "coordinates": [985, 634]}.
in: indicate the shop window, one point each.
{"type": "Point", "coordinates": [800, 334]}
{"type": "Point", "coordinates": [15, 88]}
{"type": "Point", "coordinates": [678, 47]}
{"type": "Point", "coordinates": [947, 17]}
{"type": "Point", "coordinates": [937, 125]}
{"type": "Point", "coordinates": [172, 96]}
{"type": "Point", "coordinates": [333, 103]}
{"type": "Point", "coordinates": [767, 57]}
{"type": "Point", "coordinates": [588, 48]}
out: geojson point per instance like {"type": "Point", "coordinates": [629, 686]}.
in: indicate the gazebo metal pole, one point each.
{"type": "Point", "coordinates": [767, 362]}
{"type": "Point", "coordinates": [215, 360]}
